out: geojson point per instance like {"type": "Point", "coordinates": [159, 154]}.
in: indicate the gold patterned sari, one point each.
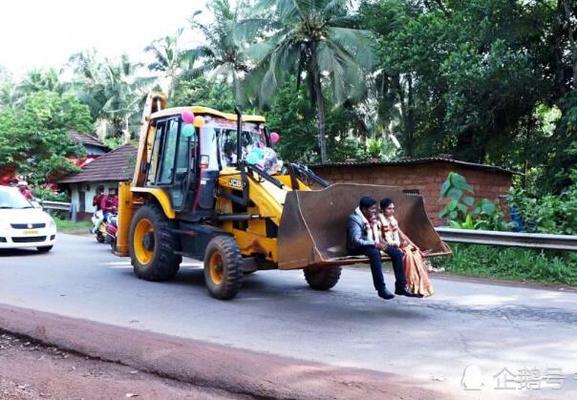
{"type": "Point", "coordinates": [416, 272]}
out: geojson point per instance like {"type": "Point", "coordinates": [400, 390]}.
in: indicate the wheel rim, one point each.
{"type": "Point", "coordinates": [144, 241]}
{"type": "Point", "coordinates": [215, 266]}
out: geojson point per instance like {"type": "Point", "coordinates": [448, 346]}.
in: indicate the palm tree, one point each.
{"type": "Point", "coordinates": [311, 39]}
{"type": "Point", "coordinates": [38, 80]}
{"type": "Point", "coordinates": [88, 81]}
{"type": "Point", "coordinates": [171, 61]}
{"type": "Point", "coordinates": [112, 90]}
{"type": "Point", "coordinates": [222, 55]}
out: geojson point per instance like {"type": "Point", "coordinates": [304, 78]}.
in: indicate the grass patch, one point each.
{"type": "Point", "coordinates": [527, 265]}
{"type": "Point", "coordinates": [67, 226]}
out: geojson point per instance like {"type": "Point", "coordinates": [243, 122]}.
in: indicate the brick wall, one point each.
{"type": "Point", "coordinates": [427, 178]}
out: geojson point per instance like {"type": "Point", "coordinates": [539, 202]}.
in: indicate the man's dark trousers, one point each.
{"type": "Point", "coordinates": [397, 260]}
{"type": "Point", "coordinates": [377, 267]}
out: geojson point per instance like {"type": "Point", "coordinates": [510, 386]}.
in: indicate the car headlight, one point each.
{"type": "Point", "coordinates": [51, 223]}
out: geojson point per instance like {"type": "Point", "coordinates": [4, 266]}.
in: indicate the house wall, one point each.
{"type": "Point", "coordinates": [94, 150]}
{"type": "Point", "coordinates": [85, 210]}
{"type": "Point", "coordinates": [427, 178]}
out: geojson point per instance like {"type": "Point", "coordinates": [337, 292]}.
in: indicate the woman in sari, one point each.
{"type": "Point", "coordinates": [414, 263]}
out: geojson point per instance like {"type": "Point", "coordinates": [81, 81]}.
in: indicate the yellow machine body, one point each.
{"type": "Point", "coordinates": [278, 220]}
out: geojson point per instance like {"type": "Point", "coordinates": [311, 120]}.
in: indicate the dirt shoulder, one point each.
{"type": "Point", "coordinates": [30, 370]}
{"type": "Point", "coordinates": [204, 365]}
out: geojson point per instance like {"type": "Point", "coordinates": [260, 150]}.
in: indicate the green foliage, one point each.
{"type": "Point", "coordinates": [375, 148]}
{"type": "Point", "coordinates": [559, 152]}
{"type": "Point", "coordinates": [40, 81]}
{"type": "Point", "coordinates": [45, 193]}
{"type": "Point", "coordinates": [222, 52]}
{"type": "Point", "coordinates": [66, 226]}
{"type": "Point", "coordinates": [113, 90]}
{"type": "Point", "coordinates": [312, 41]}
{"type": "Point", "coordinates": [201, 91]}
{"type": "Point", "coordinates": [466, 76]}
{"type": "Point", "coordinates": [171, 61]}
{"type": "Point", "coordinates": [556, 214]}
{"type": "Point", "coordinates": [347, 149]}
{"type": "Point", "coordinates": [34, 137]}
{"type": "Point", "coordinates": [511, 263]}
{"type": "Point", "coordinates": [454, 188]}
{"type": "Point", "coordinates": [484, 80]}
{"type": "Point", "coordinates": [115, 142]}
{"type": "Point", "coordinates": [462, 211]}
{"type": "Point", "coordinates": [292, 115]}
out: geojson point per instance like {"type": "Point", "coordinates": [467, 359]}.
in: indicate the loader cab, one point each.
{"type": "Point", "coordinates": [174, 153]}
{"type": "Point", "coordinates": [186, 159]}
{"type": "Point", "coordinates": [219, 152]}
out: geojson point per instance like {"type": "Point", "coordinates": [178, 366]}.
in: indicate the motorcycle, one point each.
{"type": "Point", "coordinates": [106, 231]}
{"type": "Point", "coordinates": [111, 228]}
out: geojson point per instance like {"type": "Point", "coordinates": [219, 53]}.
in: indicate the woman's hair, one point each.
{"type": "Point", "coordinates": [100, 188]}
{"type": "Point", "coordinates": [385, 203]}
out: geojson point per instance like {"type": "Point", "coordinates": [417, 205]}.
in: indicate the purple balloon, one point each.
{"type": "Point", "coordinates": [187, 117]}
{"type": "Point", "coordinates": [274, 137]}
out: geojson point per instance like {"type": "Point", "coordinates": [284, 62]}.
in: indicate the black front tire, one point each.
{"type": "Point", "coordinates": [164, 263]}
{"type": "Point", "coordinates": [100, 237]}
{"type": "Point", "coordinates": [322, 278]}
{"type": "Point", "coordinates": [44, 249]}
{"type": "Point", "coordinates": [222, 267]}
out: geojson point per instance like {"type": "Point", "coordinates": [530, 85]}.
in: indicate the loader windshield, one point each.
{"type": "Point", "coordinates": [252, 136]}
{"type": "Point", "coordinates": [219, 141]}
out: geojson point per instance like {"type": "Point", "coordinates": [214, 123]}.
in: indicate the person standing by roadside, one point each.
{"type": "Point", "coordinates": [25, 190]}
{"type": "Point", "coordinates": [96, 202]}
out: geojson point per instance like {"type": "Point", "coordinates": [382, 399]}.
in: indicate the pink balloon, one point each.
{"type": "Point", "coordinates": [274, 137]}
{"type": "Point", "coordinates": [187, 117]}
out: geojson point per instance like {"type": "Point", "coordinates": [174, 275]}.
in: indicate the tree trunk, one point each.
{"type": "Point", "coordinates": [236, 88]}
{"type": "Point", "coordinates": [410, 125]}
{"type": "Point", "coordinates": [127, 134]}
{"type": "Point", "coordinates": [318, 94]}
{"type": "Point", "coordinates": [101, 128]}
{"type": "Point", "coordinates": [170, 89]}
{"type": "Point", "coordinates": [572, 42]}
{"type": "Point", "coordinates": [406, 95]}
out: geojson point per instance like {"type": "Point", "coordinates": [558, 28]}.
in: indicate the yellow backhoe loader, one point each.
{"type": "Point", "coordinates": [207, 185]}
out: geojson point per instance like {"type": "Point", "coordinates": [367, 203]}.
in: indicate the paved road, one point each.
{"type": "Point", "coordinates": [481, 327]}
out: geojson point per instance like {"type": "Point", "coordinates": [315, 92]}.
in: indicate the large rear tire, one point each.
{"type": "Point", "coordinates": [222, 267]}
{"type": "Point", "coordinates": [152, 245]}
{"type": "Point", "coordinates": [322, 278]}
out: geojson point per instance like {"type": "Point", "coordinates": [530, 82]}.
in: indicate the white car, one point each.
{"type": "Point", "coordinates": [23, 225]}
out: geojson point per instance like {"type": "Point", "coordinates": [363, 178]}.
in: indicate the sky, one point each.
{"type": "Point", "coordinates": [44, 33]}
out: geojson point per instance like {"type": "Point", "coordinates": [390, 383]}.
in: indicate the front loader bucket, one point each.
{"type": "Point", "coordinates": [313, 225]}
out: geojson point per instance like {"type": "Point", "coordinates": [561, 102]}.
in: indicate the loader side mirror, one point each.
{"type": "Point", "coordinates": [204, 161]}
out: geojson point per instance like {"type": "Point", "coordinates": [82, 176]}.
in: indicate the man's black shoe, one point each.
{"type": "Point", "coordinates": [404, 292]}
{"type": "Point", "coordinates": [385, 294]}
